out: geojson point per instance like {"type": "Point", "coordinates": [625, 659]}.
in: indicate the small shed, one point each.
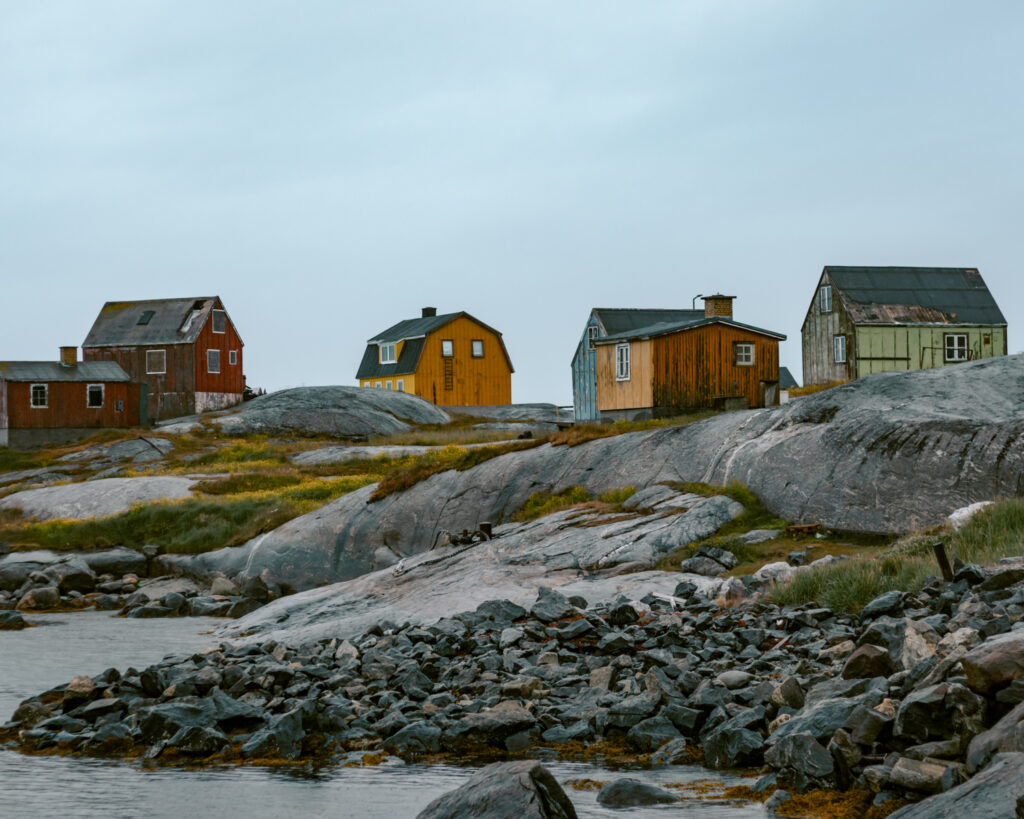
{"type": "Point", "coordinates": [48, 403]}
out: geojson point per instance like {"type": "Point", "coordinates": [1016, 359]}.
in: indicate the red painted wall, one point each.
{"type": "Point", "coordinates": [67, 406]}
{"type": "Point", "coordinates": [230, 378]}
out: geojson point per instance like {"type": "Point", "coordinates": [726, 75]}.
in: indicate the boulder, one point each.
{"type": "Point", "coordinates": [991, 794]}
{"type": "Point", "coordinates": [631, 793]}
{"type": "Point", "coordinates": [907, 641]}
{"type": "Point", "coordinates": [118, 562]}
{"type": "Point", "coordinates": [866, 662]}
{"type": "Point", "coordinates": [414, 739]}
{"type": "Point", "coordinates": [491, 727]}
{"type": "Point", "coordinates": [551, 605]}
{"type": "Point", "coordinates": [39, 599]}
{"type": "Point", "coordinates": [505, 790]}
{"type": "Point", "coordinates": [11, 621]}
{"type": "Point", "coordinates": [97, 498]}
{"type": "Point", "coordinates": [802, 762]}
{"type": "Point", "coordinates": [995, 662]}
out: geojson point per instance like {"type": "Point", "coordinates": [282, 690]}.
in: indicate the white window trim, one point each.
{"type": "Point", "coordinates": [837, 342]}
{"type": "Point", "coordinates": [377, 384]}
{"type": "Point", "coordinates": [473, 347]}
{"type": "Point", "coordinates": [103, 396]}
{"type": "Point", "coordinates": [388, 385]}
{"type": "Point", "coordinates": [450, 347]}
{"type": "Point", "coordinates": [208, 370]}
{"type": "Point", "coordinates": [213, 321]}
{"type": "Point", "coordinates": [233, 358]}
{"type": "Point", "coordinates": [825, 298]}
{"type": "Point", "coordinates": [959, 353]}
{"type": "Point", "coordinates": [622, 362]}
{"type": "Point", "coordinates": [593, 332]}
{"type": "Point", "coordinates": [384, 357]}
{"type": "Point", "coordinates": [46, 396]}
{"type": "Point", "coordinates": [400, 385]}
{"type": "Point", "coordinates": [745, 345]}
{"type": "Point", "coordinates": [163, 354]}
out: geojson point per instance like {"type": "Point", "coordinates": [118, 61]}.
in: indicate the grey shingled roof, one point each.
{"type": "Point", "coordinates": [622, 320]}
{"type": "Point", "coordinates": [370, 366]}
{"type": "Point", "coordinates": [117, 325]}
{"type": "Point", "coordinates": [91, 371]}
{"type": "Point", "coordinates": [786, 380]}
{"type": "Point", "coordinates": [915, 295]}
{"type": "Point", "coordinates": [665, 327]}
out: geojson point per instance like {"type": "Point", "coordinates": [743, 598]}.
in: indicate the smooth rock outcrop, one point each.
{"type": "Point", "coordinates": [505, 790]}
{"type": "Point", "coordinates": [96, 499]}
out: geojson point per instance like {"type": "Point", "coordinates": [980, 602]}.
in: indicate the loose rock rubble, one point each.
{"type": "Point", "coordinates": [912, 698]}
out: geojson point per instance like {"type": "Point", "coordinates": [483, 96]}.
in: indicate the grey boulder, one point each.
{"type": "Point", "coordinates": [992, 794]}
{"type": "Point", "coordinates": [504, 790]}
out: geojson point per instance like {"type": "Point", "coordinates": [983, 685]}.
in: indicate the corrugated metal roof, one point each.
{"type": "Point", "coordinates": [370, 366]}
{"type": "Point", "coordinates": [173, 321]}
{"type": "Point", "coordinates": [621, 320]}
{"type": "Point", "coordinates": [665, 327]}
{"type": "Point", "coordinates": [915, 295]}
{"type": "Point", "coordinates": [91, 371]}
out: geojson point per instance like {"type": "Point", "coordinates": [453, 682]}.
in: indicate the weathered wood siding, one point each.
{"type": "Point", "coordinates": [66, 406]}
{"type": "Point", "coordinates": [470, 381]}
{"type": "Point", "coordinates": [624, 395]}
{"type": "Point", "coordinates": [584, 376]}
{"type": "Point", "coordinates": [816, 339]}
{"type": "Point", "coordinates": [171, 394]}
{"type": "Point", "coordinates": [694, 368]}
{"type": "Point", "coordinates": [920, 347]}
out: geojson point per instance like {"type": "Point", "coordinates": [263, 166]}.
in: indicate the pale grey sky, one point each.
{"type": "Point", "coordinates": [328, 168]}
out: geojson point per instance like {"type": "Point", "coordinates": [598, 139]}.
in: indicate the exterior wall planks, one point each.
{"type": "Point", "coordinates": [635, 393]}
{"type": "Point", "coordinates": [171, 394]}
{"type": "Point", "coordinates": [474, 381]}
{"type": "Point", "coordinates": [66, 406]}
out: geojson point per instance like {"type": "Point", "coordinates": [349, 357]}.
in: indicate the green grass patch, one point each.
{"type": "Point", "coordinates": [242, 452]}
{"type": "Point", "coordinates": [246, 482]}
{"type": "Point", "coordinates": [615, 497]}
{"type": "Point", "coordinates": [544, 503]}
{"type": "Point", "coordinates": [14, 460]}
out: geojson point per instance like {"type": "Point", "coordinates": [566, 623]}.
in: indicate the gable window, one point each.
{"type": "Point", "coordinates": [156, 362]}
{"type": "Point", "coordinates": [839, 349]}
{"type": "Point", "coordinates": [233, 357]}
{"type": "Point", "coordinates": [447, 348]}
{"type": "Point", "coordinates": [592, 332]}
{"type": "Point", "coordinates": [213, 361]}
{"type": "Point", "coordinates": [145, 317]}
{"type": "Point", "coordinates": [387, 353]}
{"type": "Point", "coordinates": [956, 346]}
{"type": "Point", "coordinates": [400, 385]}
{"type": "Point", "coordinates": [478, 348]}
{"type": "Point", "coordinates": [40, 395]}
{"type": "Point", "coordinates": [220, 321]}
{"type": "Point", "coordinates": [743, 353]}
{"type": "Point", "coordinates": [94, 396]}
{"type": "Point", "coordinates": [622, 362]}
{"type": "Point", "coordinates": [825, 298]}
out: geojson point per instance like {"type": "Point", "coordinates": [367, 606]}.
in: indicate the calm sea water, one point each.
{"type": "Point", "coordinates": [89, 642]}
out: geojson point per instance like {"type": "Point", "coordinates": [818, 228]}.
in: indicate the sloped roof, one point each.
{"type": "Point", "coordinates": [666, 327]}
{"type": "Point", "coordinates": [91, 371]}
{"type": "Point", "coordinates": [370, 366]}
{"type": "Point", "coordinates": [616, 320]}
{"type": "Point", "coordinates": [171, 321]}
{"type": "Point", "coordinates": [414, 328]}
{"type": "Point", "coordinates": [915, 295]}
{"type": "Point", "coordinates": [786, 380]}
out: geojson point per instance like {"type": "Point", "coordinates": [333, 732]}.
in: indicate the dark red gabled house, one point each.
{"type": "Point", "coordinates": [186, 351]}
{"type": "Point", "coordinates": [47, 403]}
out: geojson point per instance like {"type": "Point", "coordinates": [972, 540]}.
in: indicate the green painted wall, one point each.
{"type": "Point", "coordinates": [920, 347]}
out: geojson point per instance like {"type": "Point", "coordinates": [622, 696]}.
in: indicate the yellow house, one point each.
{"type": "Point", "coordinates": [451, 360]}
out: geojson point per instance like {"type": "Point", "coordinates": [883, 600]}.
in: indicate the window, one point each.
{"type": "Point", "coordinates": [622, 362]}
{"type": "Point", "coordinates": [220, 321]}
{"type": "Point", "coordinates": [119, 406]}
{"type": "Point", "coordinates": [213, 361]}
{"type": "Point", "coordinates": [447, 348]}
{"type": "Point", "coordinates": [387, 353]}
{"type": "Point", "coordinates": [400, 385]}
{"type": "Point", "coordinates": [743, 353]}
{"type": "Point", "coordinates": [94, 396]}
{"type": "Point", "coordinates": [478, 348]}
{"type": "Point", "coordinates": [825, 298]}
{"type": "Point", "coordinates": [956, 346]}
{"type": "Point", "coordinates": [145, 317]}
{"type": "Point", "coordinates": [377, 385]}
{"type": "Point", "coordinates": [839, 349]}
{"type": "Point", "coordinates": [156, 362]}
{"type": "Point", "coordinates": [387, 385]}
{"type": "Point", "coordinates": [592, 333]}
{"type": "Point", "coordinates": [40, 395]}
{"type": "Point", "coordinates": [233, 358]}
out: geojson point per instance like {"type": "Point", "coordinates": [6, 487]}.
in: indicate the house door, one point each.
{"type": "Point", "coordinates": [769, 393]}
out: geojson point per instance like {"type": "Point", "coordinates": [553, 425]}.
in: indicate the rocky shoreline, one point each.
{"type": "Point", "coordinates": [912, 697]}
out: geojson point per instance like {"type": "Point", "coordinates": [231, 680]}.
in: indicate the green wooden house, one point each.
{"type": "Point", "coordinates": [865, 320]}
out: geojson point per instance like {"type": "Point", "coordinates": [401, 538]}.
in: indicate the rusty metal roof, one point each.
{"type": "Point", "coordinates": [915, 295]}
{"type": "Point", "coordinates": [48, 371]}
{"type": "Point", "coordinates": [157, 321]}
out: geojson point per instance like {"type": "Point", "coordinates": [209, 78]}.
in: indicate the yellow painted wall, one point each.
{"type": "Point", "coordinates": [918, 347]}
{"type": "Point", "coordinates": [474, 381]}
{"type": "Point", "coordinates": [410, 382]}
{"type": "Point", "coordinates": [620, 395]}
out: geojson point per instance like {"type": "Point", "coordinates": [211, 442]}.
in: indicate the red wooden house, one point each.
{"type": "Point", "coordinates": [186, 351]}
{"type": "Point", "coordinates": [49, 402]}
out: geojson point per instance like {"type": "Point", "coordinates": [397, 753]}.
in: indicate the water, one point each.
{"type": "Point", "coordinates": [89, 642]}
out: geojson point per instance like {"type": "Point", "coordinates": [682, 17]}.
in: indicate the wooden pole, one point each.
{"type": "Point", "coordinates": [940, 556]}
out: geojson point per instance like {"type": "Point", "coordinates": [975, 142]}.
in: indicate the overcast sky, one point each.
{"type": "Point", "coordinates": [328, 168]}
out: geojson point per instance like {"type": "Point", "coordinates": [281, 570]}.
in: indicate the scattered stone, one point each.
{"type": "Point", "coordinates": [631, 793]}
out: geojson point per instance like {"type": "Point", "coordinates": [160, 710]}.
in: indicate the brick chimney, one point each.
{"type": "Point", "coordinates": [429, 312]}
{"type": "Point", "coordinates": [69, 356]}
{"type": "Point", "coordinates": [718, 306]}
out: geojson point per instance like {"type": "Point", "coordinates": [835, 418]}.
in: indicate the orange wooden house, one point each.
{"type": "Point", "coordinates": [672, 367]}
{"type": "Point", "coordinates": [451, 360]}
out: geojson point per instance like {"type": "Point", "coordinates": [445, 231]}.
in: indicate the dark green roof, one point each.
{"type": "Point", "coordinates": [413, 328]}
{"type": "Point", "coordinates": [666, 327]}
{"type": "Point", "coordinates": [370, 366]}
{"type": "Point", "coordinates": [915, 295]}
{"type": "Point", "coordinates": [616, 320]}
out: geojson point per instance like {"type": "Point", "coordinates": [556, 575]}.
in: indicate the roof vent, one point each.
{"type": "Point", "coordinates": [429, 312]}
{"type": "Point", "coordinates": [69, 356]}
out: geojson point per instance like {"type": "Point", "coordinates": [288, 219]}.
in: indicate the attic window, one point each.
{"type": "Point", "coordinates": [387, 353]}
{"type": "Point", "coordinates": [592, 332]}
{"type": "Point", "coordinates": [189, 320]}
{"type": "Point", "coordinates": [825, 298]}
{"type": "Point", "coordinates": [220, 321]}
{"type": "Point", "coordinates": [447, 348]}
{"type": "Point", "coordinates": [145, 317]}
{"type": "Point", "coordinates": [478, 348]}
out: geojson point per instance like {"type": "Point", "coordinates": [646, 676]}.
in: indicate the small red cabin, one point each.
{"type": "Point", "coordinates": [186, 351]}
{"type": "Point", "coordinates": [46, 403]}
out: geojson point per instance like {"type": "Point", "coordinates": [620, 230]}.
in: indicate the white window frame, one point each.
{"type": "Point", "coordinates": [744, 353]}
{"type": "Point", "coordinates": [209, 365]}
{"type": "Point", "coordinates": [163, 362]}
{"type": "Point", "coordinates": [400, 385]}
{"type": "Point", "coordinates": [32, 396]}
{"type": "Point", "coordinates": [478, 344]}
{"type": "Point", "coordinates": [954, 352]}
{"type": "Point", "coordinates": [388, 385]}
{"type": "Point", "coordinates": [223, 321]}
{"type": "Point", "coordinates": [388, 353]}
{"type": "Point", "coordinates": [233, 358]}
{"type": "Point", "coordinates": [593, 333]}
{"type": "Point", "coordinates": [447, 348]}
{"type": "Point", "coordinates": [103, 396]}
{"type": "Point", "coordinates": [825, 298]}
{"type": "Point", "coordinates": [377, 385]}
{"type": "Point", "coordinates": [839, 349]}
{"type": "Point", "coordinates": [622, 362]}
